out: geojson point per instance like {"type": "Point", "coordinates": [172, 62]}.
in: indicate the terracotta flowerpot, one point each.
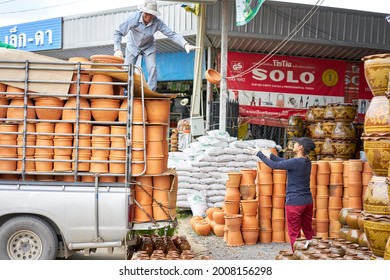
{"type": "Point", "coordinates": [101, 85]}
{"type": "Point", "coordinates": [79, 86]}
{"type": "Point", "coordinates": [101, 109]}
{"type": "Point", "coordinates": [69, 112]}
{"type": "Point", "coordinates": [261, 166]}
{"type": "Point", "coordinates": [18, 92]}
{"type": "Point", "coordinates": [48, 113]}
{"type": "Point", "coordinates": [143, 190]}
{"type": "Point", "coordinates": [62, 163]}
{"type": "Point", "coordinates": [3, 110]}
{"type": "Point", "coordinates": [161, 212]}
{"type": "Point", "coordinates": [250, 236]}
{"type": "Point", "coordinates": [218, 230]}
{"type": "Point", "coordinates": [44, 146]}
{"type": "Point", "coordinates": [278, 201]}
{"type": "Point", "coordinates": [17, 112]}
{"type": "Point", "coordinates": [234, 179]}
{"type": "Point", "coordinates": [138, 133]}
{"type": "Point", "coordinates": [154, 149]}
{"type": "Point", "coordinates": [219, 216]}
{"type": "Point", "coordinates": [116, 165]}
{"type": "Point", "coordinates": [265, 236]}
{"type": "Point", "coordinates": [249, 207]}
{"type": "Point", "coordinates": [248, 176]}
{"type": "Point", "coordinates": [155, 133]}
{"type": "Point", "coordinates": [43, 162]}
{"type": "Point", "coordinates": [7, 163]}
{"type": "Point", "coordinates": [232, 207]}
{"type": "Point", "coordinates": [98, 165]}
{"type": "Point", "coordinates": [212, 76]}
{"type": "Point", "coordinates": [249, 221]}
{"type": "Point", "coordinates": [155, 165]}
{"type": "Point", "coordinates": [247, 192]}
{"type": "Point", "coordinates": [210, 211]}
{"type": "Point", "coordinates": [202, 228]}
{"type": "Point", "coordinates": [139, 112]}
{"type": "Point", "coordinates": [235, 239]}
{"type": "Point", "coordinates": [143, 215]}
{"type": "Point", "coordinates": [232, 194]}
{"type": "Point", "coordinates": [267, 190]}
{"type": "Point", "coordinates": [158, 110]}
{"type": "Point", "coordinates": [279, 176]}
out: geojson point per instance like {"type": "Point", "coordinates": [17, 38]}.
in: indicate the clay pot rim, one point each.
{"type": "Point", "coordinates": [373, 56]}
{"type": "Point", "coordinates": [106, 59]}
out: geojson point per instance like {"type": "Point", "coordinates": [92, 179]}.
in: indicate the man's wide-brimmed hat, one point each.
{"type": "Point", "coordinates": [150, 7]}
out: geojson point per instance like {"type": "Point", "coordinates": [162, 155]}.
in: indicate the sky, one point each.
{"type": "Point", "coordinates": [23, 11]}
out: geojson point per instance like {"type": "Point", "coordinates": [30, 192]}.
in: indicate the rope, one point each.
{"type": "Point", "coordinates": [299, 26]}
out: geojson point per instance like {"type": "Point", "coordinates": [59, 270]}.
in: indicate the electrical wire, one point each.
{"type": "Point", "coordinates": [299, 26]}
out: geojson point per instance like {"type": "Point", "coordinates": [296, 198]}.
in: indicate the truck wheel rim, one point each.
{"type": "Point", "coordinates": [24, 245]}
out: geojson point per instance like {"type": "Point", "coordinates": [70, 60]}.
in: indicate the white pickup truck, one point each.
{"type": "Point", "coordinates": [42, 215]}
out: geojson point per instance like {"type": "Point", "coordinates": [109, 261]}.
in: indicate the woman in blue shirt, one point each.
{"type": "Point", "coordinates": [299, 201]}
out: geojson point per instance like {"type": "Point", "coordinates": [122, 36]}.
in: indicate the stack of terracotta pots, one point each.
{"type": "Point", "coordinates": [265, 190]}
{"type": "Point", "coordinates": [219, 219]}
{"type": "Point", "coordinates": [155, 197]}
{"type": "Point", "coordinates": [233, 218]}
{"type": "Point", "coordinates": [376, 144]}
{"type": "Point", "coordinates": [9, 154]}
{"type": "Point", "coordinates": [249, 206]}
{"type": "Point", "coordinates": [335, 196]}
{"type": "Point", "coordinates": [63, 143]}
{"type": "Point", "coordinates": [44, 151]}
{"type": "Point", "coordinates": [313, 190]}
{"type": "Point", "coordinates": [26, 141]}
{"type": "Point", "coordinates": [322, 198]}
{"type": "Point", "coordinates": [279, 228]}
{"type": "Point", "coordinates": [355, 185]}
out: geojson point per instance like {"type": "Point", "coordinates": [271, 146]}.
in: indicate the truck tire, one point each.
{"type": "Point", "coordinates": [28, 238]}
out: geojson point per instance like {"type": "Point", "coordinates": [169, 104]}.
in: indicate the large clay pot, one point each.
{"type": "Point", "coordinates": [155, 133]}
{"type": "Point", "coordinates": [376, 198]}
{"type": "Point", "coordinates": [17, 112]}
{"type": "Point", "coordinates": [3, 110]}
{"type": "Point", "coordinates": [139, 112]}
{"type": "Point", "coordinates": [248, 176]}
{"type": "Point", "coordinates": [377, 117]}
{"type": "Point", "coordinates": [377, 149]}
{"type": "Point", "coordinates": [19, 92]}
{"type": "Point", "coordinates": [48, 113]}
{"type": "Point", "coordinates": [101, 109]}
{"type": "Point", "coordinates": [158, 110]}
{"type": "Point", "coordinates": [232, 193]}
{"type": "Point", "coordinates": [250, 236]}
{"type": "Point", "coordinates": [249, 207]}
{"type": "Point", "coordinates": [377, 232]}
{"type": "Point", "coordinates": [101, 85]}
{"type": "Point", "coordinates": [234, 179]}
{"type": "Point", "coordinates": [376, 71]}
{"type": "Point", "coordinates": [233, 222]}
{"type": "Point", "coordinates": [248, 192]}
{"type": "Point", "coordinates": [344, 112]}
{"type": "Point", "coordinates": [144, 190]}
{"type": "Point", "coordinates": [344, 131]}
{"type": "Point", "coordinates": [70, 113]}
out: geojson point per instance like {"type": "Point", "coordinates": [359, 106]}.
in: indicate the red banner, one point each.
{"type": "Point", "coordinates": [286, 74]}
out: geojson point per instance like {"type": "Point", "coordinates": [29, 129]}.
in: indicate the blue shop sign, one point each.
{"type": "Point", "coordinates": [34, 36]}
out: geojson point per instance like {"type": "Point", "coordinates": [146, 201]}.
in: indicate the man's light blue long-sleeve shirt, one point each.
{"type": "Point", "coordinates": [140, 39]}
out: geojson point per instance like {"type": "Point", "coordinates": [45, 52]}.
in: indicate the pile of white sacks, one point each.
{"type": "Point", "coordinates": [202, 167]}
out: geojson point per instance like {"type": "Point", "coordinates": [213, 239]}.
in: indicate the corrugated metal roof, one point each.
{"type": "Point", "coordinates": [328, 33]}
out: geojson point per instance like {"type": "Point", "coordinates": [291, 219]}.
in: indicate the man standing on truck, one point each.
{"type": "Point", "coordinates": [141, 26]}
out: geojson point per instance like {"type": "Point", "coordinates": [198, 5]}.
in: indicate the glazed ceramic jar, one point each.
{"type": "Point", "coordinates": [377, 117]}
{"type": "Point", "coordinates": [376, 198]}
{"type": "Point", "coordinates": [376, 71]}
{"type": "Point", "coordinates": [344, 112]}
{"type": "Point", "coordinates": [377, 149]}
{"type": "Point", "coordinates": [343, 131]}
